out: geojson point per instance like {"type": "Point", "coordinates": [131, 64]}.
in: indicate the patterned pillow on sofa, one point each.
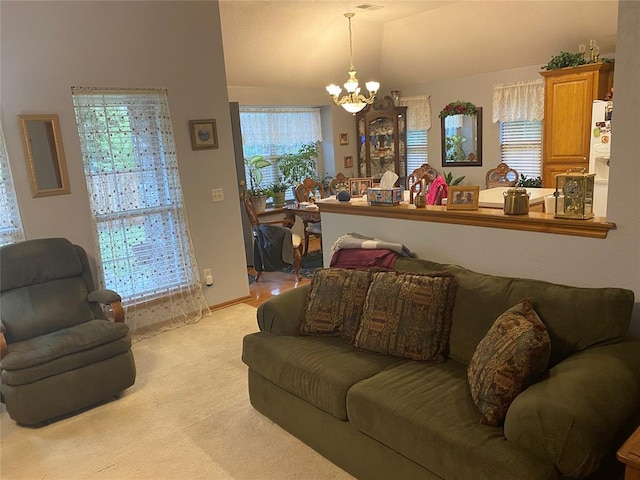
{"type": "Point", "coordinates": [408, 315]}
{"type": "Point", "coordinates": [513, 353]}
{"type": "Point", "coordinates": [335, 301]}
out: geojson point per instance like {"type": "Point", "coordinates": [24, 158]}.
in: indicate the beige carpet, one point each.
{"type": "Point", "coordinates": [187, 417]}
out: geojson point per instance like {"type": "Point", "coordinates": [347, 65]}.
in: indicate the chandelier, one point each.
{"type": "Point", "coordinates": [353, 101]}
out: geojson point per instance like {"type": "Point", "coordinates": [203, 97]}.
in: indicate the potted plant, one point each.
{"type": "Point", "coordinates": [278, 191]}
{"type": "Point", "coordinates": [295, 167]}
{"type": "Point", "coordinates": [257, 194]}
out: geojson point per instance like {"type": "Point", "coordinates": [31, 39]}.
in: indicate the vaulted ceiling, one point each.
{"type": "Point", "coordinates": [305, 43]}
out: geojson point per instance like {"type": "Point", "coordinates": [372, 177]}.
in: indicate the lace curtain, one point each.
{"type": "Point", "coordinates": [521, 101]}
{"type": "Point", "coordinates": [10, 223]}
{"type": "Point", "coordinates": [141, 230]}
{"type": "Point", "coordinates": [418, 112]}
{"type": "Point", "coordinates": [276, 131]}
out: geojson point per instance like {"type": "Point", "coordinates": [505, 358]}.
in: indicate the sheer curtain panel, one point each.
{"type": "Point", "coordinates": [141, 228]}
{"type": "Point", "coordinates": [10, 223]}
{"type": "Point", "coordinates": [521, 101]}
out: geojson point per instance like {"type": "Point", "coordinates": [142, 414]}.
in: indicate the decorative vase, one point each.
{"type": "Point", "coordinates": [259, 203]}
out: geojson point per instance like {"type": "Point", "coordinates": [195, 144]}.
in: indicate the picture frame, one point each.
{"type": "Point", "coordinates": [344, 139]}
{"type": "Point", "coordinates": [358, 186]}
{"type": "Point", "coordinates": [348, 162]}
{"type": "Point", "coordinates": [463, 197]}
{"type": "Point", "coordinates": [203, 134]}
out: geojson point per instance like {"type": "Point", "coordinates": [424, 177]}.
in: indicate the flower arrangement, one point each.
{"type": "Point", "coordinates": [458, 108]}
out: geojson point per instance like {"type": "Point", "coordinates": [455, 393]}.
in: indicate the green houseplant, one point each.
{"type": "Point", "coordinates": [257, 194]}
{"type": "Point", "coordinates": [295, 167]}
{"type": "Point", "coordinates": [278, 191]}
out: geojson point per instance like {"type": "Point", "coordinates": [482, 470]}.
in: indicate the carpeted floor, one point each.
{"type": "Point", "coordinates": [187, 417]}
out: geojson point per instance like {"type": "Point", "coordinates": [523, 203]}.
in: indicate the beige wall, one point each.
{"type": "Point", "coordinates": [47, 47]}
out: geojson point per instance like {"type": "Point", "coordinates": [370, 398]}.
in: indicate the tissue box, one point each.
{"type": "Point", "coordinates": [385, 196]}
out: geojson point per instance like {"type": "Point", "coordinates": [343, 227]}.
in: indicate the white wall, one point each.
{"type": "Point", "coordinates": [614, 261]}
{"type": "Point", "coordinates": [48, 47]}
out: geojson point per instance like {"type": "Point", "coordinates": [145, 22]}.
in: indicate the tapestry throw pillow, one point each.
{"type": "Point", "coordinates": [408, 315]}
{"type": "Point", "coordinates": [335, 301]}
{"type": "Point", "coordinates": [512, 355]}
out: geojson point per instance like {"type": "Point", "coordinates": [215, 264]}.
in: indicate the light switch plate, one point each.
{"type": "Point", "coordinates": [217, 195]}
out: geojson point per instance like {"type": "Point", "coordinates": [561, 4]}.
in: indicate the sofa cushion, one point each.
{"type": "Point", "coordinates": [335, 302]}
{"type": "Point", "coordinates": [320, 370]}
{"type": "Point", "coordinates": [513, 353]}
{"type": "Point", "coordinates": [425, 411]}
{"type": "Point", "coordinates": [407, 315]}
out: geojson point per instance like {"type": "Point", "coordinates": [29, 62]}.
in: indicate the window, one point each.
{"type": "Point", "coordinates": [418, 122]}
{"type": "Point", "coordinates": [131, 169]}
{"type": "Point", "coordinates": [10, 224]}
{"type": "Point", "coordinates": [416, 149]}
{"type": "Point", "coordinates": [521, 146]}
{"type": "Point", "coordinates": [519, 107]}
{"type": "Point", "coordinates": [272, 132]}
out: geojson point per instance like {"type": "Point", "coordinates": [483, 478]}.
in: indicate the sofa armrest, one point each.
{"type": "Point", "coordinates": [282, 314]}
{"type": "Point", "coordinates": [583, 411]}
{"type": "Point", "coordinates": [111, 298]}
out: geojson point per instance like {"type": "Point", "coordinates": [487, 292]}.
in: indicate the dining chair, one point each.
{"type": "Point", "coordinates": [340, 182]}
{"type": "Point", "coordinates": [414, 179]}
{"type": "Point", "coordinates": [501, 176]}
{"type": "Point", "coordinates": [272, 242]}
{"type": "Point", "coordinates": [307, 190]}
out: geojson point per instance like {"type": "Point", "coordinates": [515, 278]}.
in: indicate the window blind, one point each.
{"type": "Point", "coordinates": [416, 149]}
{"type": "Point", "coordinates": [521, 146]}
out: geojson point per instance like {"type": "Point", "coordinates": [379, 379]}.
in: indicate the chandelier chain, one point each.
{"type": "Point", "coordinates": [351, 67]}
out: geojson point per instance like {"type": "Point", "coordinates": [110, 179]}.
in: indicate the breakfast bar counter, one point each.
{"type": "Point", "coordinates": [598, 227]}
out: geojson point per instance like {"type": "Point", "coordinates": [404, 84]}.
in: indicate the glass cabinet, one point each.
{"type": "Point", "coordinates": [382, 140]}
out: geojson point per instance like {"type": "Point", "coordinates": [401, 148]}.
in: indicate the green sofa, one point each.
{"type": "Point", "coordinates": [381, 417]}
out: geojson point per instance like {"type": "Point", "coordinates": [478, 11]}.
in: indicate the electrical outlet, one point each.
{"type": "Point", "coordinates": [208, 277]}
{"type": "Point", "coordinates": [217, 195]}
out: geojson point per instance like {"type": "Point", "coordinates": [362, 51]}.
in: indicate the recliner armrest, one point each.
{"type": "Point", "coordinates": [111, 298]}
{"type": "Point", "coordinates": [583, 410]}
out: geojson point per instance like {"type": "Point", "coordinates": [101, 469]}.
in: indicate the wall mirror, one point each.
{"type": "Point", "coordinates": [44, 153]}
{"type": "Point", "coordinates": [462, 139]}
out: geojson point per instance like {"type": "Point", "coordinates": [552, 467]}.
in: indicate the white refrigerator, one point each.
{"type": "Point", "coordinates": [599, 157]}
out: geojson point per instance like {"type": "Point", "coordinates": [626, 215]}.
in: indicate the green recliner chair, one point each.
{"type": "Point", "coordinates": [58, 352]}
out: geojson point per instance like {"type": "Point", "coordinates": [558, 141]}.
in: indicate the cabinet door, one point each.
{"type": "Point", "coordinates": [567, 123]}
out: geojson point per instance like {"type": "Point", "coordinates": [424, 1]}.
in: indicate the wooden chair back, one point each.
{"type": "Point", "coordinates": [414, 179]}
{"type": "Point", "coordinates": [307, 188]}
{"type": "Point", "coordinates": [501, 176]}
{"type": "Point", "coordinates": [248, 207]}
{"type": "Point", "coordinates": [340, 182]}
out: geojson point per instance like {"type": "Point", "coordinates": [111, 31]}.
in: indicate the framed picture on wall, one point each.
{"type": "Point", "coordinates": [348, 162]}
{"type": "Point", "coordinates": [203, 134]}
{"type": "Point", "coordinates": [344, 139]}
{"type": "Point", "coordinates": [463, 198]}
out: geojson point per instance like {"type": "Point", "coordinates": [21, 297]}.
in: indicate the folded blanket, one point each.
{"type": "Point", "coordinates": [355, 240]}
{"type": "Point", "coordinates": [364, 258]}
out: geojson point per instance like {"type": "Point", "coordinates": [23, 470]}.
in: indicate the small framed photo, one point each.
{"type": "Point", "coordinates": [203, 134]}
{"type": "Point", "coordinates": [344, 139]}
{"type": "Point", "coordinates": [463, 198]}
{"type": "Point", "coordinates": [348, 162]}
{"type": "Point", "coordinates": [358, 186]}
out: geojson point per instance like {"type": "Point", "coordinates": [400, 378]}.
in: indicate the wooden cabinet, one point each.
{"type": "Point", "coordinates": [382, 140]}
{"type": "Point", "coordinates": [568, 97]}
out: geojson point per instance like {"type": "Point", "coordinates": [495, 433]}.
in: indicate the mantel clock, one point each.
{"type": "Point", "coordinates": [577, 190]}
